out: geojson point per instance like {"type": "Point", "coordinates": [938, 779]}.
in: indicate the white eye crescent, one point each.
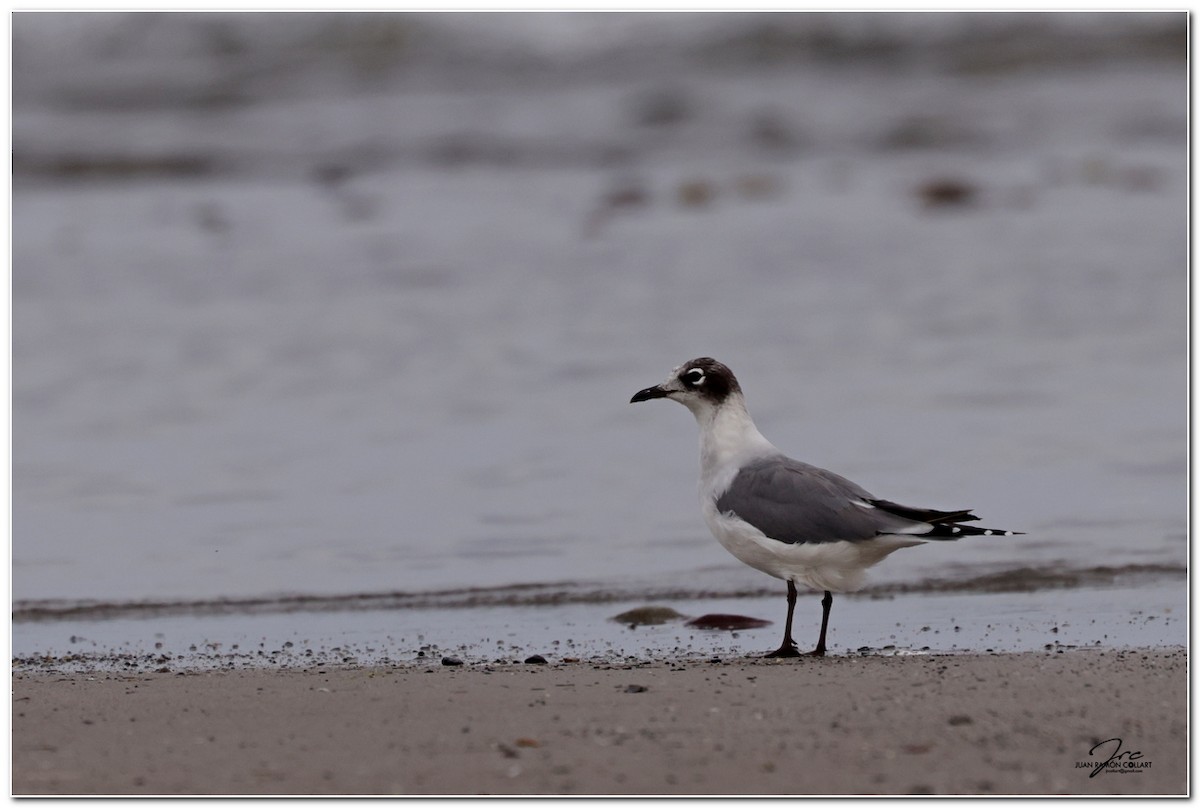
{"type": "Point", "coordinates": [694, 377]}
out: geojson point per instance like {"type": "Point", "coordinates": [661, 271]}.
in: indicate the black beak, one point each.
{"type": "Point", "coordinates": [650, 392]}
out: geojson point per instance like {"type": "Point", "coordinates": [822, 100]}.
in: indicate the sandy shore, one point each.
{"type": "Point", "coordinates": [954, 724]}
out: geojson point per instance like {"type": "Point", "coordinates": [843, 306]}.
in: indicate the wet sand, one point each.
{"type": "Point", "coordinates": [932, 724]}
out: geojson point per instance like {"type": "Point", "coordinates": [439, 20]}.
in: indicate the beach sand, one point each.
{"type": "Point", "coordinates": [931, 724]}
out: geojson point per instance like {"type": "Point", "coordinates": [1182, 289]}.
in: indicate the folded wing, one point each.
{"type": "Point", "coordinates": [795, 503]}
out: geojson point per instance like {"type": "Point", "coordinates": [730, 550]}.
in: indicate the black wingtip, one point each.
{"type": "Point", "coordinates": [953, 531]}
{"type": "Point", "coordinates": [929, 515]}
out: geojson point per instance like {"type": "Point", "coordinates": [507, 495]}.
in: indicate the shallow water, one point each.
{"type": "Point", "coordinates": [382, 339]}
{"type": "Point", "coordinates": [1111, 617]}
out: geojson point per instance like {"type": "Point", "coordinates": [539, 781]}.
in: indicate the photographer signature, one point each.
{"type": "Point", "coordinates": [1115, 758]}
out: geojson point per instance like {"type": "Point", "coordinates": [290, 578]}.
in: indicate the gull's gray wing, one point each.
{"type": "Point", "coordinates": [796, 503]}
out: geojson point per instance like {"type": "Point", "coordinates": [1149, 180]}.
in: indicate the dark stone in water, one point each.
{"type": "Point", "coordinates": [450, 660]}
{"type": "Point", "coordinates": [635, 688]}
{"type": "Point", "coordinates": [727, 622]}
{"type": "Point", "coordinates": [648, 616]}
{"type": "Point", "coordinates": [947, 192]}
{"type": "Point", "coordinates": [536, 659]}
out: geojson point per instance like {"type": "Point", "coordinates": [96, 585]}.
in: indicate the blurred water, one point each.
{"type": "Point", "coordinates": [318, 334]}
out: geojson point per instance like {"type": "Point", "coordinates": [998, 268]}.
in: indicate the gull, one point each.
{"type": "Point", "coordinates": [793, 521]}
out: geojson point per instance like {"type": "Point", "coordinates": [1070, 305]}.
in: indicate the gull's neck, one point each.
{"type": "Point", "coordinates": [728, 436]}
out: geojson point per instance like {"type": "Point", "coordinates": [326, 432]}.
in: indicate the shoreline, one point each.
{"type": "Point", "coordinates": [1063, 619]}
{"type": "Point", "coordinates": [847, 724]}
{"type": "Point", "coordinates": [1010, 579]}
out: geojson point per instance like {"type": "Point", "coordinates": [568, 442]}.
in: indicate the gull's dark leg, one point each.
{"type": "Point", "coordinates": [826, 603]}
{"type": "Point", "coordinates": [788, 648]}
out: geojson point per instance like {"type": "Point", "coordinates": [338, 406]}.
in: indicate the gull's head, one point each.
{"type": "Point", "coordinates": [702, 385]}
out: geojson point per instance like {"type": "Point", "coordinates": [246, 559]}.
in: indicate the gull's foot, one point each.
{"type": "Point", "coordinates": [786, 651]}
{"type": "Point", "coordinates": [817, 652]}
